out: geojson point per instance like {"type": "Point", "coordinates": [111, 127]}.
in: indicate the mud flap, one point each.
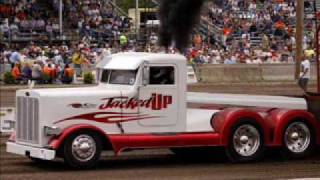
{"type": "Point", "coordinates": [313, 103]}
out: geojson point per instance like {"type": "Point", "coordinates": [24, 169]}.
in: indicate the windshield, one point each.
{"type": "Point", "coordinates": [124, 77]}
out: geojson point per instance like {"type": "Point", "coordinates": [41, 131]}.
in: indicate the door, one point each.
{"type": "Point", "coordinates": [160, 97]}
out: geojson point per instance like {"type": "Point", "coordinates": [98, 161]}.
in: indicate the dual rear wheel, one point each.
{"type": "Point", "coordinates": [246, 141]}
{"type": "Point", "coordinates": [298, 140]}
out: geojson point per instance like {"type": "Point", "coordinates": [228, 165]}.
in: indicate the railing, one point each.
{"type": "Point", "coordinates": [117, 8]}
{"type": "Point", "coordinates": [211, 73]}
{"type": "Point", "coordinates": [39, 36]}
{"type": "Point", "coordinates": [212, 29]}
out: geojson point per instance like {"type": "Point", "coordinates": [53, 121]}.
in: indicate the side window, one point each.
{"type": "Point", "coordinates": [105, 76]}
{"type": "Point", "coordinates": [162, 75]}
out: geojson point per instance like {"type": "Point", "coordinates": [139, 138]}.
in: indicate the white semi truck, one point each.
{"type": "Point", "coordinates": [142, 102]}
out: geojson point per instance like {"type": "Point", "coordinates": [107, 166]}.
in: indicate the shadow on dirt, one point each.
{"type": "Point", "coordinates": [203, 157]}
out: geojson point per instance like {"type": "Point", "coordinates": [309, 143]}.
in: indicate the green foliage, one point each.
{"type": "Point", "coordinates": [8, 78]}
{"type": "Point", "coordinates": [88, 78]}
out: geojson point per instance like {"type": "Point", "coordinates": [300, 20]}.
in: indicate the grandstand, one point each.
{"type": "Point", "coordinates": [233, 25]}
{"type": "Point", "coordinates": [37, 21]}
{"type": "Point", "coordinates": [250, 13]}
{"type": "Point", "coordinates": [103, 20]}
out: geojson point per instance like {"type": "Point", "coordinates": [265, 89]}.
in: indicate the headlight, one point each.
{"type": "Point", "coordinates": [52, 131]}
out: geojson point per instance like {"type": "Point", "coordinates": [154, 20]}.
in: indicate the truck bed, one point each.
{"type": "Point", "coordinates": [245, 100]}
{"type": "Point", "coordinates": [198, 120]}
{"type": "Point", "coordinates": [198, 117]}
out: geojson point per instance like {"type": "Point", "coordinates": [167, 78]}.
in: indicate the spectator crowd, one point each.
{"type": "Point", "coordinates": [18, 16]}
{"type": "Point", "coordinates": [258, 31]}
{"type": "Point", "coordinates": [51, 64]}
{"type": "Point", "coordinates": [251, 32]}
{"type": "Point", "coordinates": [89, 18]}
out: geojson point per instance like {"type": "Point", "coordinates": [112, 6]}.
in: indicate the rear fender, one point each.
{"type": "Point", "coordinates": [226, 119]}
{"type": "Point", "coordinates": [279, 119]}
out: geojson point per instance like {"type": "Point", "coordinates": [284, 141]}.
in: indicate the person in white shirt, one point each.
{"type": "Point", "coordinates": [153, 39]}
{"type": "Point", "coordinates": [305, 74]}
{"type": "Point", "coordinates": [42, 58]}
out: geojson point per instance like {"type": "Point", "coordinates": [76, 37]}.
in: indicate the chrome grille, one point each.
{"type": "Point", "coordinates": [28, 120]}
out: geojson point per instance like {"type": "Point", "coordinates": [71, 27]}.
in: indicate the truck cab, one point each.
{"type": "Point", "coordinates": [153, 87]}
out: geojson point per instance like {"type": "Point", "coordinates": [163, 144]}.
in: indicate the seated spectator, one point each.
{"type": "Point", "coordinates": [48, 74]}
{"type": "Point", "coordinates": [14, 58]}
{"type": "Point", "coordinates": [25, 25]}
{"type": "Point", "coordinates": [5, 29]}
{"type": "Point", "coordinates": [67, 76]}
{"type": "Point", "coordinates": [55, 28]}
{"type": "Point", "coordinates": [58, 73]}
{"type": "Point", "coordinates": [42, 57]}
{"type": "Point", "coordinates": [40, 24]}
{"type": "Point", "coordinates": [229, 60]}
{"type": "Point", "coordinates": [26, 71]}
{"type": "Point", "coordinates": [14, 29]}
{"type": "Point", "coordinates": [16, 72]}
{"type": "Point", "coordinates": [153, 39]}
{"type": "Point", "coordinates": [21, 15]}
{"type": "Point", "coordinates": [36, 72]}
{"type": "Point", "coordinates": [57, 59]}
{"type": "Point", "coordinates": [49, 30]}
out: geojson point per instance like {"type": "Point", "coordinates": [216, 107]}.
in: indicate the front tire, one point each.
{"type": "Point", "coordinates": [298, 140]}
{"type": "Point", "coordinates": [82, 149]}
{"type": "Point", "coordinates": [245, 143]}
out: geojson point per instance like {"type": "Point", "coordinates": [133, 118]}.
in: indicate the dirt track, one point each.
{"type": "Point", "coordinates": [162, 164]}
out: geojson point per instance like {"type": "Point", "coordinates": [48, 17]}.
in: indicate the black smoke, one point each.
{"type": "Point", "coordinates": [178, 18]}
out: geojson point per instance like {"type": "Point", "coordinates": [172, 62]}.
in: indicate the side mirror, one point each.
{"type": "Point", "coordinates": [145, 75]}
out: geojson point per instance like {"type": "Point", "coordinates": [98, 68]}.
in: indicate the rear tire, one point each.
{"type": "Point", "coordinates": [298, 141]}
{"type": "Point", "coordinates": [82, 150]}
{"type": "Point", "coordinates": [245, 143]}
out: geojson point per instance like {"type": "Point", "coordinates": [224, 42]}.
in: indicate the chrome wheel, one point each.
{"type": "Point", "coordinates": [83, 148]}
{"type": "Point", "coordinates": [246, 140]}
{"type": "Point", "coordinates": [297, 137]}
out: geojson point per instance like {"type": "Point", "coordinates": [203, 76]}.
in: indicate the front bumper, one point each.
{"type": "Point", "coordinates": [40, 153]}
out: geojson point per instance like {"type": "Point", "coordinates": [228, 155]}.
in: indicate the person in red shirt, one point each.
{"type": "Point", "coordinates": [67, 76]}
{"type": "Point", "coordinates": [48, 71]}
{"type": "Point", "coordinates": [16, 72]}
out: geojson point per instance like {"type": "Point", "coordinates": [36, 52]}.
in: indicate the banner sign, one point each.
{"type": "Point", "coordinates": [192, 78]}
{"type": "Point", "coordinates": [7, 120]}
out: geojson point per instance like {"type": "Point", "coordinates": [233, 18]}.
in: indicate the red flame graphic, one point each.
{"type": "Point", "coordinates": [109, 117]}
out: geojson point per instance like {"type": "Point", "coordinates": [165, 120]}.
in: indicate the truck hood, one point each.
{"type": "Point", "coordinates": [65, 107]}
{"type": "Point", "coordinates": [70, 92]}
